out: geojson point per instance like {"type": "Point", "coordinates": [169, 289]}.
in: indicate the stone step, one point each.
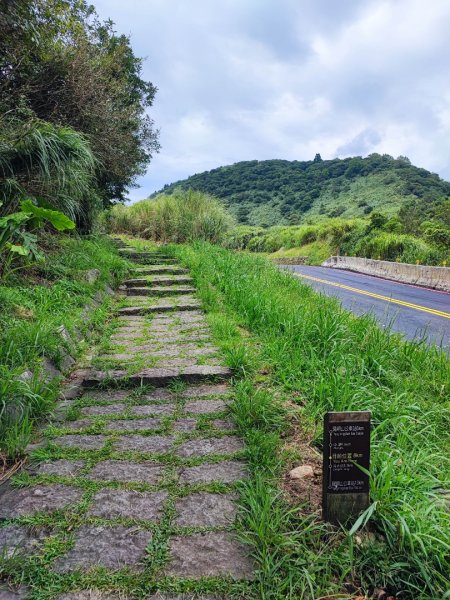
{"type": "Point", "coordinates": [151, 260]}
{"type": "Point", "coordinates": [148, 253]}
{"type": "Point", "coordinates": [157, 280]}
{"type": "Point", "coordinates": [161, 307]}
{"type": "Point", "coordinates": [155, 300]}
{"type": "Point", "coordinates": [159, 269]}
{"type": "Point", "coordinates": [157, 377]}
{"type": "Point", "coordinates": [118, 242]}
{"type": "Point", "coordinates": [181, 349]}
{"type": "Point", "coordinates": [159, 291]}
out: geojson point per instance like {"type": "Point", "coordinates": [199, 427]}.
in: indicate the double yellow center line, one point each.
{"type": "Point", "coordinates": [431, 311]}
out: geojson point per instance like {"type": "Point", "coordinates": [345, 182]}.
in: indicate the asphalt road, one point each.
{"type": "Point", "coordinates": [418, 313]}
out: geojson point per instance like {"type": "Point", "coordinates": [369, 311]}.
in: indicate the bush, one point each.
{"type": "Point", "coordinates": [51, 163]}
{"type": "Point", "coordinates": [378, 237]}
{"type": "Point", "coordinates": [181, 217]}
{"type": "Point", "coordinates": [401, 248]}
{"type": "Point", "coordinates": [333, 231]}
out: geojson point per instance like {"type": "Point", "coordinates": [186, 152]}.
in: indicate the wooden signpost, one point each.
{"type": "Point", "coordinates": [346, 447]}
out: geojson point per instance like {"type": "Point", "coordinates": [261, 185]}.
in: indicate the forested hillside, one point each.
{"type": "Point", "coordinates": [281, 192]}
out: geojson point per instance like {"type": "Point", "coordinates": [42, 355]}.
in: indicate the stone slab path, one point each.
{"type": "Point", "coordinates": [133, 488]}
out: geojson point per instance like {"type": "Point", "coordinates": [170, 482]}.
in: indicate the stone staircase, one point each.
{"type": "Point", "coordinates": [139, 476]}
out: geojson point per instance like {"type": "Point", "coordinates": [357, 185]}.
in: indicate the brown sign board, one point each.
{"type": "Point", "coordinates": [346, 463]}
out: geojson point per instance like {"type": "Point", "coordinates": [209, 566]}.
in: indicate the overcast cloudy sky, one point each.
{"type": "Point", "coordinates": [260, 79]}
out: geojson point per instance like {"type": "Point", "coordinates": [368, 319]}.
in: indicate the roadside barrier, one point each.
{"type": "Point", "coordinates": [431, 277]}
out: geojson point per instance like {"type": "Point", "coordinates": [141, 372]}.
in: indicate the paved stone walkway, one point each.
{"type": "Point", "coordinates": [139, 480]}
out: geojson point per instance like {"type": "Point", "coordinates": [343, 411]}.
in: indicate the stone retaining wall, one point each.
{"type": "Point", "coordinates": [431, 277]}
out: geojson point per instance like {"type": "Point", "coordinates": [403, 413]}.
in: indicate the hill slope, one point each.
{"type": "Point", "coordinates": [282, 192]}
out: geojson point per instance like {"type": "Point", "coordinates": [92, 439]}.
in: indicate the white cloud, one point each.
{"type": "Point", "coordinates": [257, 79]}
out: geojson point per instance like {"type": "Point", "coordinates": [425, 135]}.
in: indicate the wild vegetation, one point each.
{"type": "Point", "coordinates": [74, 135]}
{"type": "Point", "coordinates": [281, 192]}
{"type": "Point", "coordinates": [184, 216]}
{"type": "Point", "coordinates": [53, 293]}
{"type": "Point", "coordinates": [376, 237]}
{"type": "Point", "coordinates": [301, 352]}
{"type": "Point", "coordinates": [376, 207]}
{"type": "Point", "coordinates": [74, 132]}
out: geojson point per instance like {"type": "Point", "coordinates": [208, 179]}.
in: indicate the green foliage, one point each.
{"type": "Point", "coordinates": [181, 217]}
{"type": "Point", "coordinates": [400, 248]}
{"type": "Point", "coordinates": [54, 293]}
{"type": "Point", "coordinates": [16, 239]}
{"type": "Point", "coordinates": [74, 129]}
{"type": "Point", "coordinates": [280, 192]}
{"type": "Point", "coordinates": [38, 215]}
{"type": "Point", "coordinates": [334, 231]}
{"type": "Point", "coordinates": [378, 237]}
{"type": "Point", "coordinates": [326, 359]}
{"type": "Point", "coordinates": [437, 229]}
{"type": "Point", "coordinates": [45, 161]}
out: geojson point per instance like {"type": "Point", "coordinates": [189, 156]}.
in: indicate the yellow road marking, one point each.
{"type": "Point", "coordinates": [431, 311]}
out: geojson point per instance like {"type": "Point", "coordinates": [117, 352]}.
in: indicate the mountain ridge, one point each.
{"type": "Point", "coordinates": [282, 192]}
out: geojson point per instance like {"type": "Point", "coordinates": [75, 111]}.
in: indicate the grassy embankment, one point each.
{"type": "Point", "coordinates": [34, 303]}
{"type": "Point", "coordinates": [298, 355]}
{"type": "Point", "coordinates": [351, 237]}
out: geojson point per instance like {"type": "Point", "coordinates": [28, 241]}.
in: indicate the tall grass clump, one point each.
{"type": "Point", "coordinates": [328, 359]}
{"type": "Point", "coordinates": [56, 164]}
{"type": "Point", "coordinates": [398, 247]}
{"type": "Point", "coordinates": [181, 217]}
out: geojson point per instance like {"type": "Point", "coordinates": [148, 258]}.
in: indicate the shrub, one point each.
{"type": "Point", "coordinates": [395, 247]}
{"type": "Point", "coordinates": [54, 164]}
{"type": "Point", "coordinates": [181, 217]}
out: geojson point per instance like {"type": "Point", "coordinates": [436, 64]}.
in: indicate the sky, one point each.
{"type": "Point", "coordinates": [262, 79]}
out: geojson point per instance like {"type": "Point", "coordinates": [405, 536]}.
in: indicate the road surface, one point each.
{"type": "Point", "coordinates": [418, 313]}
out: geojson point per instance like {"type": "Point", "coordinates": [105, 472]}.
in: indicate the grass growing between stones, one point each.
{"type": "Point", "coordinates": [64, 526]}
{"type": "Point", "coordinates": [292, 348]}
{"type": "Point", "coordinates": [35, 303]}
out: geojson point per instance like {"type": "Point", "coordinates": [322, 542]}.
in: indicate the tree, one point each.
{"type": "Point", "coordinates": [60, 65]}
{"type": "Point", "coordinates": [377, 220]}
{"type": "Point", "coordinates": [317, 158]}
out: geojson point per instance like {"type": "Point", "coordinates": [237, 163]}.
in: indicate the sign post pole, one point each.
{"type": "Point", "coordinates": [346, 447]}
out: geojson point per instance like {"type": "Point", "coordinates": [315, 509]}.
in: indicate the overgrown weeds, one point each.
{"type": "Point", "coordinates": [33, 308]}
{"type": "Point", "coordinates": [312, 349]}
{"type": "Point", "coordinates": [184, 216]}
{"type": "Point", "coordinates": [377, 238]}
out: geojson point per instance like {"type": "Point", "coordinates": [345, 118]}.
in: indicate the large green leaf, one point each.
{"type": "Point", "coordinates": [13, 219]}
{"type": "Point", "coordinates": [18, 249]}
{"type": "Point", "coordinates": [10, 225]}
{"type": "Point", "coordinates": [55, 217]}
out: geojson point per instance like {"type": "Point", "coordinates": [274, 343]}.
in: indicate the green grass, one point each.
{"type": "Point", "coordinates": [181, 217]}
{"type": "Point", "coordinates": [35, 303]}
{"type": "Point", "coordinates": [377, 238]}
{"type": "Point", "coordinates": [324, 358]}
{"type": "Point", "coordinates": [295, 355]}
